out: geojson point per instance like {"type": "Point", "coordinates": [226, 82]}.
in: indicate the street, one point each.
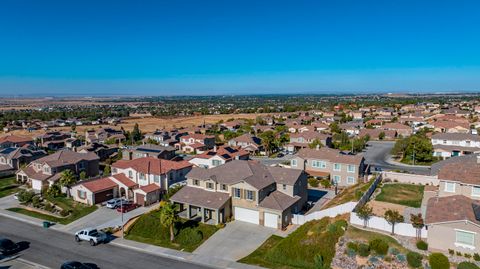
{"type": "Point", "coordinates": [52, 248]}
{"type": "Point", "coordinates": [377, 154]}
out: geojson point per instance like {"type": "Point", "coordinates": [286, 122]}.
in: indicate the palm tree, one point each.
{"type": "Point", "coordinates": [393, 217]}
{"type": "Point", "coordinates": [417, 223]}
{"type": "Point", "coordinates": [168, 218]}
{"type": "Point", "coordinates": [67, 178]}
{"type": "Point", "coordinates": [365, 213]}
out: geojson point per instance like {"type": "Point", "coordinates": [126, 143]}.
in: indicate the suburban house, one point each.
{"type": "Point", "coordinates": [14, 141]}
{"type": "Point", "coordinates": [45, 171]}
{"type": "Point", "coordinates": [460, 176]}
{"type": "Point", "coordinates": [302, 140]}
{"type": "Point", "coordinates": [374, 134]}
{"type": "Point", "coordinates": [165, 138]}
{"type": "Point", "coordinates": [94, 191]}
{"type": "Point", "coordinates": [247, 142]}
{"type": "Point", "coordinates": [103, 151]}
{"type": "Point", "coordinates": [103, 135]}
{"type": "Point", "coordinates": [450, 126]}
{"type": "Point", "coordinates": [352, 127]}
{"type": "Point", "coordinates": [149, 150]}
{"type": "Point", "coordinates": [401, 129]}
{"type": "Point", "coordinates": [53, 140]}
{"type": "Point", "coordinates": [11, 159]}
{"type": "Point", "coordinates": [342, 169]}
{"type": "Point", "coordinates": [219, 156]}
{"type": "Point", "coordinates": [152, 176]}
{"type": "Point", "coordinates": [247, 190]}
{"type": "Point", "coordinates": [448, 145]}
{"type": "Point", "coordinates": [195, 143]}
{"type": "Point", "coordinates": [232, 125]}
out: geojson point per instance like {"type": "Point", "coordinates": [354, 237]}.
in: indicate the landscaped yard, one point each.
{"type": "Point", "coordinates": [402, 194]}
{"type": "Point", "coordinates": [354, 233]}
{"type": "Point", "coordinates": [8, 186]}
{"type": "Point", "coordinates": [312, 245]}
{"type": "Point", "coordinates": [188, 234]}
{"type": "Point", "coordinates": [77, 210]}
{"type": "Point", "coordinates": [353, 193]}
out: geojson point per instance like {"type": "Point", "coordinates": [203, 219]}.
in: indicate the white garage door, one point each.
{"type": "Point", "coordinates": [271, 220]}
{"type": "Point", "coordinates": [247, 215]}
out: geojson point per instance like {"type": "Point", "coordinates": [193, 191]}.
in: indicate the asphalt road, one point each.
{"type": "Point", "coordinates": [272, 161]}
{"type": "Point", "coordinates": [378, 153]}
{"type": "Point", "coordinates": [51, 248]}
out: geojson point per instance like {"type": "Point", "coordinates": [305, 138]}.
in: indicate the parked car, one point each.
{"type": "Point", "coordinates": [126, 207]}
{"type": "Point", "coordinates": [78, 265]}
{"type": "Point", "coordinates": [7, 246]}
{"type": "Point", "coordinates": [91, 235]}
{"type": "Point", "coordinates": [115, 202]}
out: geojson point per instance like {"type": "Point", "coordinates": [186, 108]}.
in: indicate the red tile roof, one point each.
{"type": "Point", "coordinates": [15, 139]}
{"type": "Point", "coordinates": [150, 188]}
{"type": "Point", "coordinates": [151, 165]}
{"type": "Point", "coordinates": [99, 185]}
{"type": "Point", "coordinates": [122, 178]}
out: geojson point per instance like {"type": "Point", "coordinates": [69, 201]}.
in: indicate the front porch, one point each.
{"type": "Point", "coordinates": [202, 214]}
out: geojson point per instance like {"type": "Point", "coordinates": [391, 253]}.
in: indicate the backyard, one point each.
{"type": "Point", "coordinates": [353, 193]}
{"type": "Point", "coordinates": [8, 186]}
{"type": "Point", "coordinates": [402, 194]}
{"type": "Point", "coordinates": [76, 210]}
{"type": "Point", "coordinates": [188, 234]}
{"type": "Point", "coordinates": [312, 245]}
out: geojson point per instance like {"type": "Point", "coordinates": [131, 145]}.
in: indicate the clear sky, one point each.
{"type": "Point", "coordinates": [236, 47]}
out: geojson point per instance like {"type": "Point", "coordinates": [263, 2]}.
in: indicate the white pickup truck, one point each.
{"type": "Point", "coordinates": [91, 235]}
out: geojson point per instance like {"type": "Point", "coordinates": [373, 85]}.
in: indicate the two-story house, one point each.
{"type": "Point", "coordinates": [302, 140]}
{"type": "Point", "coordinates": [195, 143]}
{"type": "Point", "coordinates": [52, 140]}
{"type": "Point", "coordinates": [11, 159]}
{"type": "Point", "coordinates": [219, 156]}
{"type": "Point", "coordinates": [247, 190]}
{"type": "Point", "coordinates": [446, 145]}
{"type": "Point", "coordinates": [104, 134]}
{"type": "Point", "coordinates": [342, 169]}
{"type": "Point", "coordinates": [247, 142]}
{"type": "Point", "coordinates": [14, 141]}
{"type": "Point", "coordinates": [149, 150]}
{"type": "Point", "coordinates": [46, 171]}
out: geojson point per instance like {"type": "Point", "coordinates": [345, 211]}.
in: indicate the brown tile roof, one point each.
{"type": "Point", "coordinates": [225, 152]}
{"type": "Point", "coordinates": [64, 157]}
{"type": "Point", "coordinates": [331, 155]}
{"type": "Point", "coordinates": [278, 200]}
{"type": "Point", "coordinates": [374, 133]}
{"type": "Point", "coordinates": [467, 171]}
{"type": "Point", "coordinates": [310, 135]}
{"type": "Point", "coordinates": [450, 208]}
{"type": "Point", "coordinates": [15, 139]}
{"type": "Point", "coordinates": [396, 126]}
{"type": "Point", "coordinates": [248, 138]}
{"type": "Point", "coordinates": [317, 173]}
{"type": "Point", "coordinates": [98, 185]}
{"type": "Point", "coordinates": [200, 197]}
{"type": "Point", "coordinates": [125, 180]}
{"type": "Point", "coordinates": [151, 165]}
{"type": "Point", "coordinates": [150, 188]}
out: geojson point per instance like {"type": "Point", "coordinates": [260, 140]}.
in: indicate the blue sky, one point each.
{"type": "Point", "coordinates": [237, 47]}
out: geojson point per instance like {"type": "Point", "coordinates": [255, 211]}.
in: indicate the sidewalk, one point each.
{"type": "Point", "coordinates": [390, 160]}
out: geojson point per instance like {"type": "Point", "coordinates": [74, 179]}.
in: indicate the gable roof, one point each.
{"type": "Point", "coordinates": [14, 139]}
{"type": "Point", "coordinates": [151, 165]}
{"type": "Point", "coordinates": [456, 136]}
{"type": "Point", "coordinates": [278, 200]}
{"type": "Point", "coordinates": [65, 157]}
{"type": "Point", "coordinates": [248, 138]}
{"type": "Point", "coordinates": [451, 208]}
{"type": "Point", "coordinates": [224, 152]}
{"type": "Point", "coordinates": [330, 155]}
{"type": "Point", "coordinates": [466, 171]}
{"type": "Point", "coordinates": [100, 184]}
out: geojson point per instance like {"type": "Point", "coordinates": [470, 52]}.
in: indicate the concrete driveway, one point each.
{"type": "Point", "coordinates": [235, 241]}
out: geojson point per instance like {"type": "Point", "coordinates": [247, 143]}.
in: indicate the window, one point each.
{"type": "Point", "coordinates": [351, 168]}
{"type": "Point", "coordinates": [216, 162]}
{"type": "Point", "coordinates": [82, 194]}
{"type": "Point", "coordinates": [319, 164]}
{"type": "Point", "coordinates": [156, 179]}
{"type": "Point", "coordinates": [237, 193]}
{"type": "Point", "coordinates": [141, 176]}
{"type": "Point", "coordinates": [250, 195]}
{"type": "Point", "coordinates": [337, 167]}
{"type": "Point", "coordinates": [196, 182]}
{"type": "Point", "coordinates": [449, 187]}
{"type": "Point", "coordinates": [224, 187]}
{"type": "Point", "coordinates": [475, 191]}
{"type": "Point", "coordinates": [464, 238]}
{"type": "Point", "coordinates": [130, 174]}
{"type": "Point", "coordinates": [284, 186]}
{"type": "Point", "coordinates": [293, 162]}
{"type": "Point", "coordinates": [336, 179]}
{"type": "Point", "coordinates": [350, 180]}
{"type": "Point", "coordinates": [210, 185]}
{"type": "Point", "coordinates": [114, 170]}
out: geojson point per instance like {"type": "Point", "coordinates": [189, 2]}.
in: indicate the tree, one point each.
{"type": "Point", "coordinates": [268, 141]}
{"type": "Point", "coordinates": [417, 223]}
{"type": "Point", "coordinates": [334, 128]}
{"type": "Point", "coordinates": [168, 218]}
{"type": "Point", "coordinates": [381, 135]}
{"type": "Point", "coordinates": [136, 134]}
{"type": "Point", "coordinates": [315, 143]}
{"type": "Point", "coordinates": [107, 170]}
{"type": "Point", "coordinates": [54, 191]}
{"type": "Point", "coordinates": [393, 217]}
{"type": "Point", "coordinates": [67, 178]}
{"type": "Point", "coordinates": [83, 175]}
{"type": "Point", "coordinates": [365, 213]}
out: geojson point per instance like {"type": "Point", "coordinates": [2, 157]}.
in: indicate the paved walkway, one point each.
{"type": "Point", "coordinates": [235, 241]}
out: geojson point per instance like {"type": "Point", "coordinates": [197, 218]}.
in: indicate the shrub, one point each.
{"type": "Point", "coordinates": [388, 258]}
{"type": "Point", "coordinates": [467, 265]}
{"type": "Point", "coordinates": [414, 259]}
{"type": "Point", "coordinates": [326, 183]}
{"type": "Point", "coordinates": [363, 250]}
{"type": "Point", "coordinates": [379, 246]}
{"type": "Point", "coordinates": [393, 251]}
{"type": "Point", "coordinates": [422, 245]}
{"type": "Point", "coordinates": [36, 201]}
{"type": "Point", "coordinates": [459, 253]}
{"type": "Point", "coordinates": [451, 251]}
{"type": "Point", "coordinates": [49, 207]}
{"type": "Point", "coordinates": [468, 256]}
{"type": "Point", "coordinates": [220, 225]}
{"type": "Point", "coordinates": [352, 245]}
{"type": "Point", "coordinates": [189, 236]}
{"type": "Point", "coordinates": [25, 196]}
{"type": "Point", "coordinates": [64, 213]}
{"type": "Point", "coordinates": [313, 182]}
{"type": "Point", "coordinates": [438, 261]}
{"type": "Point", "coordinates": [350, 252]}
{"type": "Point", "coordinates": [476, 257]}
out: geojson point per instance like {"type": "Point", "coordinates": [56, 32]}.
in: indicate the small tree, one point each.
{"type": "Point", "coordinates": [381, 135]}
{"type": "Point", "coordinates": [83, 175]}
{"type": "Point", "coordinates": [365, 213]}
{"type": "Point", "coordinates": [107, 171]}
{"type": "Point", "coordinates": [67, 178]}
{"type": "Point", "coordinates": [168, 218]}
{"type": "Point", "coordinates": [53, 191]}
{"type": "Point", "coordinates": [393, 217]}
{"type": "Point", "coordinates": [417, 223]}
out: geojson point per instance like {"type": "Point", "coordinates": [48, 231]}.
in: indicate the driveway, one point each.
{"type": "Point", "coordinates": [235, 241]}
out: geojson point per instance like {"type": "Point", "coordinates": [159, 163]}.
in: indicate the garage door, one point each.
{"type": "Point", "coordinates": [247, 215]}
{"type": "Point", "coordinates": [271, 220]}
{"type": "Point", "coordinates": [103, 196]}
{"type": "Point", "coordinates": [140, 199]}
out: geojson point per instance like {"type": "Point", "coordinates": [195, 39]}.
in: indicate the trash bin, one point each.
{"type": "Point", "coordinates": [46, 224]}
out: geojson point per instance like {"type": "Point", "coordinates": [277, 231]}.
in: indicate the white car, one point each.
{"type": "Point", "coordinates": [115, 202]}
{"type": "Point", "coordinates": [91, 235]}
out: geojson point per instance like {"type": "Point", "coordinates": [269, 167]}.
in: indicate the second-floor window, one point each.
{"type": "Point", "coordinates": [156, 179]}
{"type": "Point", "coordinates": [210, 185]}
{"type": "Point", "coordinates": [449, 187]}
{"type": "Point", "coordinates": [319, 164]}
{"type": "Point", "coordinates": [336, 179]}
{"type": "Point", "coordinates": [350, 180]}
{"type": "Point", "coordinates": [224, 187]}
{"type": "Point", "coordinates": [237, 193]}
{"type": "Point", "coordinates": [130, 174]}
{"type": "Point", "coordinates": [284, 186]}
{"type": "Point", "coordinates": [337, 167]}
{"type": "Point", "coordinates": [250, 195]}
{"type": "Point", "coordinates": [216, 162]}
{"type": "Point", "coordinates": [351, 168]}
{"type": "Point", "coordinates": [475, 191]}
{"type": "Point", "coordinates": [141, 176]}
{"type": "Point", "coordinates": [293, 162]}
{"type": "Point", "coordinates": [196, 182]}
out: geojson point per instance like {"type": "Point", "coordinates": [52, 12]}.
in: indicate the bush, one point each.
{"type": "Point", "coordinates": [49, 207]}
{"type": "Point", "coordinates": [459, 253]}
{"type": "Point", "coordinates": [313, 182]}
{"type": "Point", "coordinates": [414, 259]}
{"type": "Point", "coordinates": [379, 246]}
{"type": "Point", "coordinates": [451, 251]}
{"type": "Point", "coordinates": [388, 258]}
{"type": "Point", "coordinates": [36, 201]}
{"type": "Point", "coordinates": [468, 256]}
{"type": "Point", "coordinates": [467, 265]}
{"type": "Point", "coordinates": [189, 236]}
{"type": "Point", "coordinates": [326, 183]}
{"type": "Point", "coordinates": [25, 196]}
{"type": "Point", "coordinates": [476, 257]}
{"type": "Point", "coordinates": [352, 245]}
{"type": "Point", "coordinates": [438, 261]}
{"type": "Point", "coordinates": [64, 213]}
{"type": "Point", "coordinates": [363, 250]}
{"type": "Point", "coordinates": [393, 251]}
{"type": "Point", "coordinates": [422, 245]}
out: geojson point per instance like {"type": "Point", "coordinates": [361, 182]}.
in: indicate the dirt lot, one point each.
{"type": "Point", "coordinates": [150, 124]}
{"type": "Point", "coordinates": [379, 208]}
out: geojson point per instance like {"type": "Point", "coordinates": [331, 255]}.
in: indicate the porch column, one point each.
{"type": "Point", "coordinates": [202, 209]}
{"type": "Point", "coordinates": [218, 216]}
{"type": "Point", "coordinates": [188, 212]}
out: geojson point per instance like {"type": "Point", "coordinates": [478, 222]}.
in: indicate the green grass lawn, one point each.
{"type": "Point", "coordinates": [188, 234]}
{"type": "Point", "coordinates": [353, 193]}
{"type": "Point", "coordinates": [78, 210]}
{"type": "Point", "coordinates": [301, 248]}
{"type": "Point", "coordinates": [402, 194]}
{"type": "Point", "coordinates": [8, 186]}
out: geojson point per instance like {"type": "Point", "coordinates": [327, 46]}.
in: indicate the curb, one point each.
{"type": "Point", "coordinates": [35, 265]}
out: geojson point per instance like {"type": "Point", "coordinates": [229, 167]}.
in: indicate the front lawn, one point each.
{"type": "Point", "coordinates": [353, 193]}
{"type": "Point", "coordinates": [8, 186]}
{"type": "Point", "coordinates": [312, 245]}
{"type": "Point", "coordinates": [77, 210]}
{"type": "Point", "coordinates": [357, 234]}
{"type": "Point", "coordinates": [188, 234]}
{"type": "Point", "coordinates": [402, 194]}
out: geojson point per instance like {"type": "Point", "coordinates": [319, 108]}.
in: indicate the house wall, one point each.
{"type": "Point", "coordinates": [460, 188]}
{"type": "Point", "coordinates": [37, 185]}
{"type": "Point", "coordinates": [88, 198]}
{"type": "Point", "coordinates": [343, 173]}
{"type": "Point", "coordinates": [442, 236]}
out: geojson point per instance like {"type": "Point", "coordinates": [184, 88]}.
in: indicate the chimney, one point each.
{"type": "Point", "coordinates": [215, 148]}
